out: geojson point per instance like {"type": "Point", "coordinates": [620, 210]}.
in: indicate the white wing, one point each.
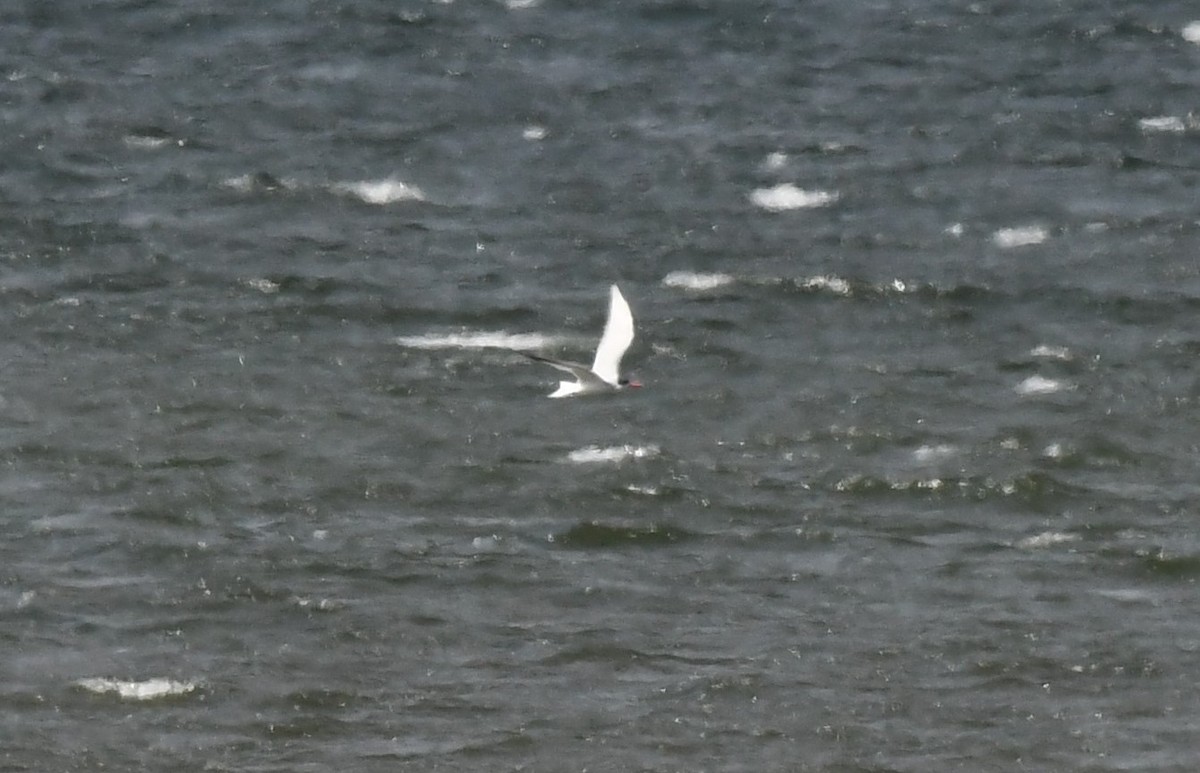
{"type": "Point", "coordinates": [618, 335]}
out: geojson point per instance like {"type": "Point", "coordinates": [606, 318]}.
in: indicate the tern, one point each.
{"type": "Point", "coordinates": [605, 373]}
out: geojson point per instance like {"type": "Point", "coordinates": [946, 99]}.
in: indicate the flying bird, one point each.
{"type": "Point", "coordinates": [605, 373]}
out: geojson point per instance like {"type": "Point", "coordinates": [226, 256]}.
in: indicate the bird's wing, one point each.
{"type": "Point", "coordinates": [618, 335]}
{"type": "Point", "coordinates": [576, 369]}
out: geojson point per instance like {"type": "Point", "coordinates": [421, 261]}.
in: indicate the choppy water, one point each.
{"type": "Point", "coordinates": [911, 485]}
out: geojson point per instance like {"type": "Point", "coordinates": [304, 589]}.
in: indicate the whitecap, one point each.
{"type": "Point", "coordinates": [387, 191]}
{"type": "Point", "coordinates": [1191, 32]}
{"type": "Point", "coordinates": [476, 340]}
{"type": "Point", "coordinates": [1023, 236]}
{"type": "Point", "coordinates": [833, 284]}
{"type": "Point", "coordinates": [1163, 123]}
{"type": "Point", "coordinates": [688, 280]}
{"type": "Point", "coordinates": [533, 133]}
{"type": "Point", "coordinates": [1054, 451]}
{"type": "Point", "coordinates": [258, 181]}
{"type": "Point", "coordinates": [1040, 385]}
{"type": "Point", "coordinates": [595, 454]}
{"type": "Point", "coordinates": [263, 285]}
{"type": "Point", "coordinates": [148, 142]}
{"type": "Point", "coordinates": [484, 544]}
{"type": "Point", "coordinates": [1047, 539]}
{"type": "Point", "coordinates": [775, 161]}
{"type": "Point", "coordinates": [1046, 351]}
{"type": "Point", "coordinates": [147, 690]}
{"type": "Point", "coordinates": [931, 453]}
{"type": "Point", "coordinates": [786, 196]}
{"type": "Point", "coordinates": [318, 605]}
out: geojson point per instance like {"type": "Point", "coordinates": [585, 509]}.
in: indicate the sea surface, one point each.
{"type": "Point", "coordinates": [912, 484]}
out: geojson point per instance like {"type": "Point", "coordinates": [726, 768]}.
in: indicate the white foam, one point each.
{"type": "Point", "coordinates": [150, 689]}
{"type": "Point", "coordinates": [1023, 236]}
{"type": "Point", "coordinates": [1163, 123]}
{"type": "Point", "coordinates": [775, 161]}
{"type": "Point", "coordinates": [488, 543]}
{"type": "Point", "coordinates": [534, 133]}
{"type": "Point", "coordinates": [387, 191]}
{"type": "Point", "coordinates": [1040, 385]}
{"type": "Point", "coordinates": [1047, 539]}
{"type": "Point", "coordinates": [688, 280]}
{"type": "Point", "coordinates": [931, 453]}
{"type": "Point", "coordinates": [482, 339]}
{"type": "Point", "coordinates": [146, 142]}
{"type": "Point", "coordinates": [319, 605]}
{"type": "Point", "coordinates": [612, 454]}
{"type": "Point", "coordinates": [786, 196]}
{"type": "Point", "coordinates": [1191, 32]}
{"type": "Point", "coordinates": [833, 284]}
{"type": "Point", "coordinates": [263, 285]}
{"type": "Point", "coordinates": [247, 183]}
{"type": "Point", "coordinates": [1048, 352]}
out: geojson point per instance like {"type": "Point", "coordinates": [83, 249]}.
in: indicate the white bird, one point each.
{"type": "Point", "coordinates": [605, 373]}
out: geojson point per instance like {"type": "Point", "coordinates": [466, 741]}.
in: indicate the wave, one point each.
{"type": "Point", "coordinates": [689, 280]}
{"type": "Point", "coordinates": [151, 139]}
{"type": "Point", "coordinates": [1046, 539]}
{"type": "Point", "coordinates": [1040, 385]}
{"type": "Point", "coordinates": [378, 192]}
{"type": "Point", "coordinates": [1051, 352]}
{"type": "Point", "coordinates": [599, 535]}
{"type": "Point", "coordinates": [928, 453]}
{"type": "Point", "coordinates": [694, 281]}
{"type": "Point", "coordinates": [386, 191]}
{"type": "Point", "coordinates": [147, 690]}
{"type": "Point", "coordinates": [785, 196]}
{"type": "Point", "coordinates": [1032, 485]}
{"type": "Point", "coordinates": [259, 182]}
{"type": "Point", "coordinates": [612, 454]}
{"type": "Point", "coordinates": [1022, 236]}
{"type": "Point", "coordinates": [1169, 124]}
{"type": "Point", "coordinates": [480, 339]}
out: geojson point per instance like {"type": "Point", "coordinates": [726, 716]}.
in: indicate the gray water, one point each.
{"type": "Point", "coordinates": [910, 486]}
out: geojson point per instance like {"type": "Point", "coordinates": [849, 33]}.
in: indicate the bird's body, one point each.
{"type": "Point", "coordinates": [605, 373]}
